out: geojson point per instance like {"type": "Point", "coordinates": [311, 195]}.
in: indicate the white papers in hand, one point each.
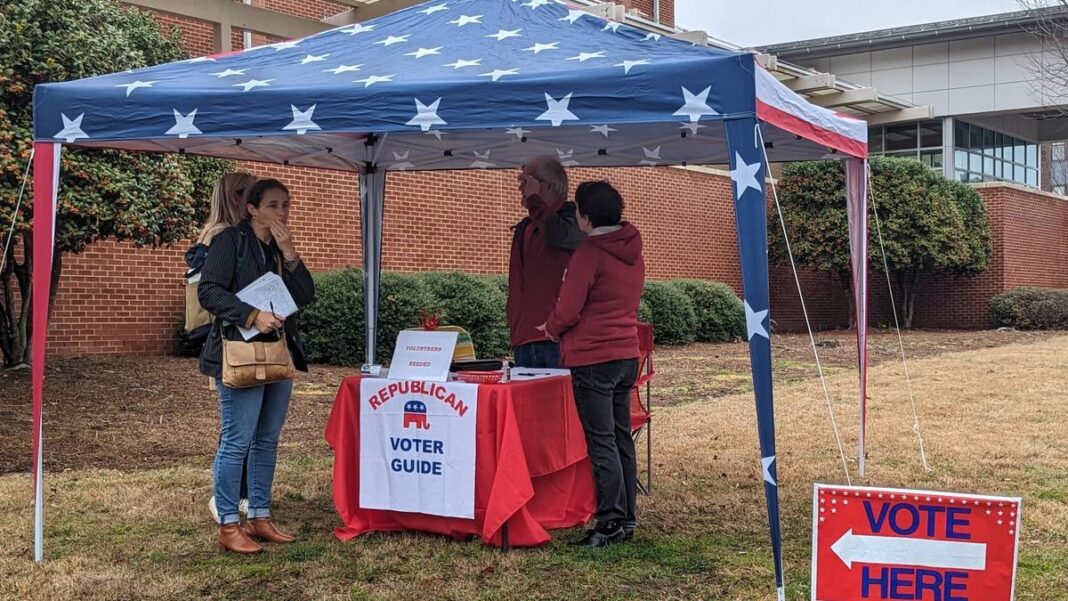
{"type": "Point", "coordinates": [267, 293]}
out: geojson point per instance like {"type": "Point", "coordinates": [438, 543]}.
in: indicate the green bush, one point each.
{"type": "Point", "coordinates": [1032, 309]}
{"type": "Point", "coordinates": [498, 280]}
{"type": "Point", "coordinates": [475, 303]}
{"type": "Point", "coordinates": [720, 314]}
{"type": "Point", "coordinates": [645, 314]}
{"type": "Point", "coordinates": [671, 312]}
{"type": "Point", "coordinates": [333, 326]}
{"type": "Point", "coordinates": [401, 300]}
{"type": "Point", "coordinates": [681, 311]}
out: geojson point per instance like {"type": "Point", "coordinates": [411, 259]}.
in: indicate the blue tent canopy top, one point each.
{"type": "Point", "coordinates": [449, 85]}
{"type": "Point", "coordinates": [464, 84]}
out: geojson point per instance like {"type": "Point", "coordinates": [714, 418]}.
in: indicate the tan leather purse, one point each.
{"type": "Point", "coordinates": [248, 364]}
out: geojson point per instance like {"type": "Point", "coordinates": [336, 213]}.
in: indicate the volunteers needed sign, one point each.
{"type": "Point", "coordinates": [883, 544]}
{"type": "Point", "coordinates": [417, 446]}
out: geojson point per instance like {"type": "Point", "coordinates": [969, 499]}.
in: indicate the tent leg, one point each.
{"type": "Point", "coordinates": [857, 212]}
{"type": "Point", "coordinates": [372, 192]}
{"type": "Point", "coordinates": [750, 207]}
{"type": "Point", "coordinates": [45, 187]}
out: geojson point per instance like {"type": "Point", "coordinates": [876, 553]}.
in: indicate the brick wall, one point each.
{"type": "Point", "coordinates": [197, 36]}
{"type": "Point", "coordinates": [667, 9]}
{"type": "Point", "coordinates": [118, 299]}
{"type": "Point", "coordinates": [316, 10]}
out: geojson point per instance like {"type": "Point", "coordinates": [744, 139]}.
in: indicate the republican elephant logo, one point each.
{"type": "Point", "coordinates": [415, 415]}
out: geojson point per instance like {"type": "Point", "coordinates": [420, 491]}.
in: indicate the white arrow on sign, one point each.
{"type": "Point", "coordinates": [910, 552]}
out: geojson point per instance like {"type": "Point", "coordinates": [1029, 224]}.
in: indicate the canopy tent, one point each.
{"type": "Point", "coordinates": [464, 84]}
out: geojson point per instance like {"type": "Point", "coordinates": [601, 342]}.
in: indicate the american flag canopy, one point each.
{"type": "Point", "coordinates": [454, 84]}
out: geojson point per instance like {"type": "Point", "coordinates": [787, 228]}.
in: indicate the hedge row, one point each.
{"type": "Point", "coordinates": [685, 311]}
{"type": "Point", "coordinates": [333, 325]}
{"type": "Point", "coordinates": [681, 311]}
{"type": "Point", "coordinates": [1032, 309]}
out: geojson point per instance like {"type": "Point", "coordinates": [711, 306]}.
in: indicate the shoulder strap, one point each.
{"type": "Point", "coordinates": [242, 249]}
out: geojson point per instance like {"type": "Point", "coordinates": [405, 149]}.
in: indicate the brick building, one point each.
{"type": "Point", "coordinates": [133, 298]}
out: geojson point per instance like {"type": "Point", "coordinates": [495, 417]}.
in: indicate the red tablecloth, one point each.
{"type": "Point", "coordinates": [531, 467]}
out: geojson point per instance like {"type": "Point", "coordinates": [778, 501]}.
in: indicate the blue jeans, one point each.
{"type": "Point", "coordinates": [252, 420]}
{"type": "Point", "coordinates": [537, 354]}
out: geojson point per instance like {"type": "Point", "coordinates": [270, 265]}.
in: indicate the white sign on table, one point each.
{"type": "Point", "coordinates": [423, 356]}
{"type": "Point", "coordinates": [417, 446]}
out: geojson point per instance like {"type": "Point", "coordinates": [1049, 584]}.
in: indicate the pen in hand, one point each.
{"type": "Point", "coordinates": [273, 314]}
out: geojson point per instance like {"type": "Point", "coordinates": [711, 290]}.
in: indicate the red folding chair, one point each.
{"type": "Point", "coordinates": [641, 416]}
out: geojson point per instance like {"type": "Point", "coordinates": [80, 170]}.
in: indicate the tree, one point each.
{"type": "Point", "coordinates": [149, 199]}
{"type": "Point", "coordinates": [1049, 26]}
{"type": "Point", "coordinates": [930, 225]}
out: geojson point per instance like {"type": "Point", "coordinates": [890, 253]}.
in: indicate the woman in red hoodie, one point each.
{"type": "Point", "coordinates": [596, 319]}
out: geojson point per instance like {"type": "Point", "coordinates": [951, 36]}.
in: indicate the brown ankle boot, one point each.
{"type": "Point", "coordinates": [233, 538]}
{"type": "Point", "coordinates": [264, 529]}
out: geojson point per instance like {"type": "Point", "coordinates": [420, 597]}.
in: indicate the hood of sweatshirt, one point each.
{"type": "Point", "coordinates": [625, 243]}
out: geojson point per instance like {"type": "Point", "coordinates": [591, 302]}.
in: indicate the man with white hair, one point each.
{"type": "Point", "coordinates": [542, 243]}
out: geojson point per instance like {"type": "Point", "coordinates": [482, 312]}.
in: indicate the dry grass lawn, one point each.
{"type": "Point", "coordinates": [993, 419]}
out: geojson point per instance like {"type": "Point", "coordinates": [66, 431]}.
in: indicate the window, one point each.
{"type": "Point", "coordinates": [1058, 168]}
{"type": "Point", "coordinates": [901, 137]}
{"type": "Point", "coordinates": [985, 155]}
{"type": "Point", "coordinates": [920, 140]}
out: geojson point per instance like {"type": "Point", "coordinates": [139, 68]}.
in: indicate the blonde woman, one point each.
{"type": "Point", "coordinates": [227, 208]}
{"type": "Point", "coordinates": [227, 204]}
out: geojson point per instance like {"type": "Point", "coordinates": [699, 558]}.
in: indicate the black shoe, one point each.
{"type": "Point", "coordinates": [628, 533]}
{"type": "Point", "coordinates": [601, 537]}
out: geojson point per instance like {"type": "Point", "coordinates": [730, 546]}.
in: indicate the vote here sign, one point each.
{"type": "Point", "coordinates": [889, 544]}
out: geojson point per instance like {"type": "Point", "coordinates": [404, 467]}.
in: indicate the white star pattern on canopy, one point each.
{"type": "Point", "coordinates": [183, 125]}
{"type": "Point", "coordinates": [426, 115]}
{"type": "Point", "coordinates": [436, 8]}
{"type": "Point", "coordinates": [343, 69]}
{"type": "Point", "coordinates": [765, 464]}
{"type": "Point", "coordinates": [745, 176]}
{"type": "Point", "coordinates": [229, 73]}
{"type": "Point", "coordinates": [696, 105]}
{"type": "Point", "coordinates": [461, 63]}
{"type": "Point", "coordinates": [558, 111]}
{"type": "Point", "coordinates": [302, 120]}
{"type": "Point", "coordinates": [424, 52]}
{"type": "Point", "coordinates": [466, 20]}
{"type": "Point", "coordinates": [754, 321]}
{"type": "Point", "coordinates": [252, 84]}
{"type": "Point", "coordinates": [130, 87]}
{"type": "Point", "coordinates": [537, 48]}
{"type": "Point", "coordinates": [504, 34]}
{"type": "Point", "coordinates": [72, 129]}
{"type": "Point", "coordinates": [496, 74]}
{"type": "Point", "coordinates": [550, 66]}
{"type": "Point", "coordinates": [628, 65]}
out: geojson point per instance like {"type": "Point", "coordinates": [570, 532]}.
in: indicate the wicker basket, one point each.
{"type": "Point", "coordinates": [480, 377]}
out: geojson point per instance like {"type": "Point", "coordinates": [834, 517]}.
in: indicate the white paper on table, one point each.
{"type": "Point", "coordinates": [535, 373]}
{"type": "Point", "coordinates": [267, 293]}
{"type": "Point", "coordinates": [420, 355]}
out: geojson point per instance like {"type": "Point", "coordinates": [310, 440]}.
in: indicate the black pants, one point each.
{"type": "Point", "coordinates": [602, 394]}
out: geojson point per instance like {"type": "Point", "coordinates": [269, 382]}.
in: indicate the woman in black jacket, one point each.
{"type": "Point", "coordinates": [251, 418]}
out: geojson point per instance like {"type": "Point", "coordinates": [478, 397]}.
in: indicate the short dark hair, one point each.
{"type": "Point", "coordinates": [254, 195]}
{"type": "Point", "coordinates": [599, 202]}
